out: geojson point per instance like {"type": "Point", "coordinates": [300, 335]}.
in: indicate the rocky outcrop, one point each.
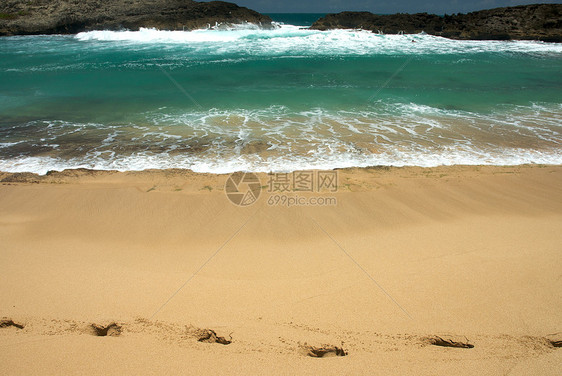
{"type": "Point", "coordinates": [23, 17]}
{"type": "Point", "coordinates": [533, 22]}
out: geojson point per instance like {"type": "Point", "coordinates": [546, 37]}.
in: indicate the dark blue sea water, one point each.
{"type": "Point", "coordinates": [296, 19]}
{"type": "Point", "coordinates": [242, 98]}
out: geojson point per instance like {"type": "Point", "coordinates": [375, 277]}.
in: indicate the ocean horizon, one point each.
{"type": "Point", "coordinates": [243, 98]}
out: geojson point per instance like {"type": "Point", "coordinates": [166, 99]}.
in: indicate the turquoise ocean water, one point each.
{"type": "Point", "coordinates": [241, 98]}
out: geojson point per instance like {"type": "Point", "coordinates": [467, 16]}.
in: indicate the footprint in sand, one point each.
{"type": "Point", "coordinates": [7, 323]}
{"type": "Point", "coordinates": [450, 341]}
{"type": "Point", "coordinates": [209, 336]}
{"type": "Point", "coordinates": [555, 339]}
{"type": "Point", "coordinates": [111, 330]}
{"type": "Point", "coordinates": [324, 351]}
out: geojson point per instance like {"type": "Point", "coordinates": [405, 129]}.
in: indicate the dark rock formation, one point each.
{"type": "Point", "coordinates": [21, 17]}
{"type": "Point", "coordinates": [533, 22]}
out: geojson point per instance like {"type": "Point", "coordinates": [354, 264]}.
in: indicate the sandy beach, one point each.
{"type": "Point", "coordinates": [468, 254]}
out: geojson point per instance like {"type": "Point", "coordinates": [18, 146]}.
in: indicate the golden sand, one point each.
{"type": "Point", "coordinates": [407, 259]}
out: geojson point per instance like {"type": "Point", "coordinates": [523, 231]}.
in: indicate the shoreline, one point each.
{"type": "Point", "coordinates": [466, 253]}
{"type": "Point", "coordinates": [82, 171]}
{"type": "Point", "coordinates": [175, 176]}
{"type": "Point", "coordinates": [503, 23]}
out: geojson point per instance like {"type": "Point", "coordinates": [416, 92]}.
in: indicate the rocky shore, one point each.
{"type": "Point", "coordinates": [25, 17]}
{"type": "Point", "coordinates": [527, 22]}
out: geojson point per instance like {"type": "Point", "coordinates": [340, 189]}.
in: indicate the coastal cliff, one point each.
{"type": "Point", "coordinates": [532, 22]}
{"type": "Point", "coordinates": [25, 17]}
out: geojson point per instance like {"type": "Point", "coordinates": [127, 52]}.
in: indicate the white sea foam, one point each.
{"type": "Point", "coordinates": [272, 139]}
{"type": "Point", "coordinates": [8, 144]}
{"type": "Point", "coordinates": [293, 40]}
{"type": "Point", "coordinates": [139, 162]}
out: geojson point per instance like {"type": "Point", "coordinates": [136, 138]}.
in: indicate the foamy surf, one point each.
{"type": "Point", "coordinates": [503, 157]}
{"type": "Point", "coordinates": [294, 40]}
{"type": "Point", "coordinates": [276, 139]}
